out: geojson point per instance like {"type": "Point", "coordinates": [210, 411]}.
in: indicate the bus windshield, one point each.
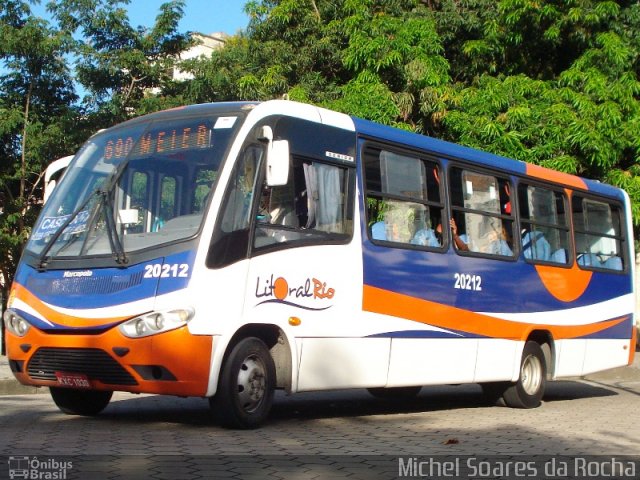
{"type": "Point", "coordinates": [134, 187]}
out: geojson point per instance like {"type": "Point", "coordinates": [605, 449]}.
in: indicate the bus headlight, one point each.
{"type": "Point", "coordinates": [15, 323]}
{"type": "Point", "coordinates": [156, 322]}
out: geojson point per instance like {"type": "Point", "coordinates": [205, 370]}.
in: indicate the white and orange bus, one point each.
{"type": "Point", "coordinates": [228, 250]}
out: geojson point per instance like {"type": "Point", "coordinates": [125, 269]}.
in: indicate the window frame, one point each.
{"type": "Point", "coordinates": [621, 237]}
{"type": "Point", "coordinates": [366, 152]}
{"type": "Point", "coordinates": [571, 250]}
{"type": "Point", "coordinates": [512, 217]}
{"type": "Point", "coordinates": [319, 237]}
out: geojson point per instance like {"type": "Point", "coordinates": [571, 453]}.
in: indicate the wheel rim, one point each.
{"type": "Point", "coordinates": [531, 374]}
{"type": "Point", "coordinates": [252, 383]}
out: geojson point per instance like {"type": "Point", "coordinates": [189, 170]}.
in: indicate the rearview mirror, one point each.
{"type": "Point", "coordinates": [277, 159]}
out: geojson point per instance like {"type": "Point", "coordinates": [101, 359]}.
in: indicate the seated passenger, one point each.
{"type": "Point", "coordinates": [460, 241]}
{"type": "Point", "coordinates": [589, 260]}
{"type": "Point", "coordinates": [500, 245]}
{"type": "Point", "coordinates": [425, 237]}
{"type": "Point", "coordinates": [535, 246]}
{"type": "Point", "coordinates": [379, 231]}
{"type": "Point", "coordinates": [559, 256]}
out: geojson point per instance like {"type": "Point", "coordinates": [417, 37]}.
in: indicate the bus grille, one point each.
{"type": "Point", "coordinates": [84, 285]}
{"type": "Point", "coordinates": [92, 362]}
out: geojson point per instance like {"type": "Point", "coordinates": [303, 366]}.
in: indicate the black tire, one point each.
{"type": "Point", "coordinates": [246, 386]}
{"type": "Point", "coordinates": [395, 393]}
{"type": "Point", "coordinates": [528, 391]}
{"type": "Point", "coordinates": [80, 402]}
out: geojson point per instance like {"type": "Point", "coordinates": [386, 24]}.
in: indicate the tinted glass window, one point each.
{"type": "Point", "coordinates": [598, 234]}
{"type": "Point", "coordinates": [403, 199]}
{"type": "Point", "coordinates": [545, 228]}
{"type": "Point", "coordinates": [313, 206]}
{"type": "Point", "coordinates": [482, 220]}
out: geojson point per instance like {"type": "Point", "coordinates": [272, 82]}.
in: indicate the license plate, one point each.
{"type": "Point", "coordinates": [73, 380]}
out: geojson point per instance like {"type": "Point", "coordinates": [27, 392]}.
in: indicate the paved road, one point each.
{"type": "Point", "coordinates": [345, 434]}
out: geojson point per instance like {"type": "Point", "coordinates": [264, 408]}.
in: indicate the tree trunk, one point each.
{"type": "Point", "coordinates": [23, 166]}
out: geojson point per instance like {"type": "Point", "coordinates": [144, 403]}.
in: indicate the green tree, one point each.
{"type": "Point", "coordinates": [36, 116]}
{"type": "Point", "coordinates": [125, 69]}
{"type": "Point", "coordinates": [372, 58]}
{"type": "Point", "coordinates": [567, 96]}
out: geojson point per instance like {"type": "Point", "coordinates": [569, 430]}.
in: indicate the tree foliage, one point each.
{"type": "Point", "coordinates": [118, 64]}
{"type": "Point", "coordinates": [36, 118]}
{"type": "Point", "coordinates": [567, 92]}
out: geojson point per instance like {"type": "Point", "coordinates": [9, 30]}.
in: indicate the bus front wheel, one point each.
{"type": "Point", "coordinates": [80, 402]}
{"type": "Point", "coordinates": [527, 392]}
{"type": "Point", "coordinates": [246, 386]}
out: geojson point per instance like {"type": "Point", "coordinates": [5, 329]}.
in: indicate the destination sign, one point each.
{"type": "Point", "coordinates": [163, 141]}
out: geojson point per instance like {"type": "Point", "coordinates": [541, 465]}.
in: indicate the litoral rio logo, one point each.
{"type": "Point", "coordinates": [281, 291]}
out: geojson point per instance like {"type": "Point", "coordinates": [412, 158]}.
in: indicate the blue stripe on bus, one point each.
{"type": "Point", "coordinates": [426, 334]}
{"type": "Point", "coordinates": [622, 331]}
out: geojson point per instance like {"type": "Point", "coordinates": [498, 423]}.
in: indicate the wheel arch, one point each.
{"type": "Point", "coordinates": [279, 348]}
{"type": "Point", "coordinates": [544, 338]}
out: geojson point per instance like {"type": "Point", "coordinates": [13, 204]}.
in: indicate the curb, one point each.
{"type": "Point", "coordinates": [13, 387]}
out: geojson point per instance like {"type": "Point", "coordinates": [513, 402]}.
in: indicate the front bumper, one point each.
{"type": "Point", "coordinates": [171, 363]}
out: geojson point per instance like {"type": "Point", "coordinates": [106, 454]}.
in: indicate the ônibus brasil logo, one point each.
{"type": "Point", "coordinates": [281, 291]}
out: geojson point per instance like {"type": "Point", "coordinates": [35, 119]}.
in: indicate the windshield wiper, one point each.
{"type": "Point", "coordinates": [112, 230]}
{"type": "Point", "coordinates": [105, 202]}
{"type": "Point", "coordinates": [42, 258]}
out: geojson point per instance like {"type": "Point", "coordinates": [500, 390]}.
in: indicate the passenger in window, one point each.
{"type": "Point", "coordinates": [535, 246]}
{"type": "Point", "coordinates": [460, 241]}
{"type": "Point", "coordinates": [264, 214]}
{"type": "Point", "coordinates": [398, 222]}
{"type": "Point", "coordinates": [499, 243]}
{"type": "Point", "coordinates": [426, 237]}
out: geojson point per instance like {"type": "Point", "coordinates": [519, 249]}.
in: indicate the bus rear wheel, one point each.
{"type": "Point", "coordinates": [527, 392]}
{"type": "Point", "coordinates": [246, 386]}
{"type": "Point", "coordinates": [80, 402]}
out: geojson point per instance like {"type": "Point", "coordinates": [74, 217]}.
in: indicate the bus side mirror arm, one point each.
{"type": "Point", "coordinates": [277, 158]}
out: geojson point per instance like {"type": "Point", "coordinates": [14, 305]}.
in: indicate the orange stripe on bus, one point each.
{"type": "Point", "coordinates": [48, 313]}
{"type": "Point", "coordinates": [564, 284]}
{"type": "Point", "coordinates": [557, 177]}
{"type": "Point", "coordinates": [381, 301]}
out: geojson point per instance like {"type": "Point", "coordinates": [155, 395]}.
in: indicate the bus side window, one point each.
{"type": "Point", "coordinates": [598, 234]}
{"type": "Point", "coordinates": [312, 207]}
{"type": "Point", "coordinates": [481, 209]}
{"type": "Point", "coordinates": [403, 198]}
{"type": "Point", "coordinates": [139, 201]}
{"type": "Point", "coordinates": [544, 225]}
{"type": "Point", "coordinates": [230, 240]}
{"type": "Point", "coordinates": [204, 179]}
